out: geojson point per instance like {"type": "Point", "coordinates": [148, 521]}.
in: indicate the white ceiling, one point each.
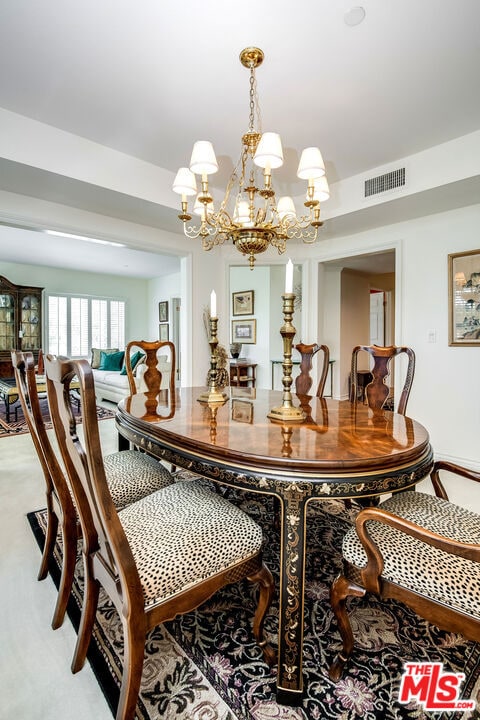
{"type": "Point", "coordinates": [150, 78]}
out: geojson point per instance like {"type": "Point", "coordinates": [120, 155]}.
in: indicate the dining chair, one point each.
{"type": "Point", "coordinates": [420, 549]}
{"type": "Point", "coordinates": [60, 507]}
{"type": "Point", "coordinates": [131, 475]}
{"type": "Point", "coordinates": [148, 352]}
{"type": "Point", "coordinates": [162, 556]}
{"type": "Point", "coordinates": [377, 391]}
{"type": "Point", "coordinates": [303, 381]}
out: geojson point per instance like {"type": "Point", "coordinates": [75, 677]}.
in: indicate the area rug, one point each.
{"type": "Point", "coordinates": [19, 426]}
{"type": "Point", "coordinates": [205, 665]}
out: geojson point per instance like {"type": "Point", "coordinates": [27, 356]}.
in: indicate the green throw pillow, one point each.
{"type": "Point", "coordinates": [111, 361]}
{"type": "Point", "coordinates": [134, 360]}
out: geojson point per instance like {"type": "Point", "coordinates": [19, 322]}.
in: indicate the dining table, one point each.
{"type": "Point", "coordinates": [339, 450]}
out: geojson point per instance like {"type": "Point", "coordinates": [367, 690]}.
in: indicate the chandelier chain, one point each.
{"type": "Point", "coordinates": [251, 126]}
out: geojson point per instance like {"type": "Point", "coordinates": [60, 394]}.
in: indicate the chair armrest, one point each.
{"type": "Point", "coordinates": [453, 468]}
{"type": "Point", "coordinates": [375, 562]}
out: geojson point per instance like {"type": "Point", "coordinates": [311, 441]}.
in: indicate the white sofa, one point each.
{"type": "Point", "coordinates": [113, 386]}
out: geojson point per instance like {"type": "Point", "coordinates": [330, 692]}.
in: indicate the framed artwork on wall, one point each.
{"type": "Point", "coordinates": [242, 302]}
{"type": "Point", "coordinates": [163, 311]}
{"type": "Point", "coordinates": [464, 298]}
{"type": "Point", "coordinates": [244, 331]}
{"type": "Point", "coordinates": [163, 332]}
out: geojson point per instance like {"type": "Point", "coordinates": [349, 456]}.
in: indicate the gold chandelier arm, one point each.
{"type": "Point", "coordinates": [307, 234]}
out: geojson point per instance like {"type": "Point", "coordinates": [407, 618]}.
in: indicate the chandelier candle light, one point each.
{"type": "Point", "coordinates": [287, 412]}
{"type": "Point", "coordinates": [214, 394]}
{"type": "Point", "coordinates": [249, 214]}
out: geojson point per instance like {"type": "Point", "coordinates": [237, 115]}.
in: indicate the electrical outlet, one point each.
{"type": "Point", "coordinates": [431, 336]}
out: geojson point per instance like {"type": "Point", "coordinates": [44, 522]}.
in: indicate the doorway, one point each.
{"type": "Point", "coordinates": [353, 317]}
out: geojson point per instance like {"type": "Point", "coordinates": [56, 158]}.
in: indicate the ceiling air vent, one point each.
{"type": "Point", "coordinates": [382, 183]}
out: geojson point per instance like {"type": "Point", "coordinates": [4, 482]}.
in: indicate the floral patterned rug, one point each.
{"type": "Point", "coordinates": [206, 666]}
{"type": "Point", "coordinates": [18, 425]}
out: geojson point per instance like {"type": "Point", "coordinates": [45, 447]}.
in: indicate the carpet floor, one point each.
{"type": "Point", "coordinates": [205, 665]}
{"type": "Point", "coordinates": [18, 425]}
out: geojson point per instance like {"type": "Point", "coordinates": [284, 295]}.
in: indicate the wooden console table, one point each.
{"type": "Point", "coordinates": [242, 374]}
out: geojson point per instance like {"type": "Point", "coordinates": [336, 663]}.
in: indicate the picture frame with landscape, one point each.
{"type": "Point", "coordinates": [464, 298]}
{"type": "Point", "coordinates": [163, 332]}
{"type": "Point", "coordinates": [244, 331]}
{"type": "Point", "coordinates": [163, 311]}
{"type": "Point", "coordinates": [243, 302]}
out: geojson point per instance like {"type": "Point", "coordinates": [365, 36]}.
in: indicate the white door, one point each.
{"type": "Point", "coordinates": [377, 318]}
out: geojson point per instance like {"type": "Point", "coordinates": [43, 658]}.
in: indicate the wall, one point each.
{"type": "Point", "coordinates": [268, 284]}
{"type": "Point", "coordinates": [133, 290]}
{"type": "Point", "coordinates": [161, 289]}
{"type": "Point", "coordinates": [258, 280]}
{"type": "Point", "coordinates": [446, 387]}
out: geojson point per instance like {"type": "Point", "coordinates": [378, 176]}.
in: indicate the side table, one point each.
{"type": "Point", "coordinates": [242, 373]}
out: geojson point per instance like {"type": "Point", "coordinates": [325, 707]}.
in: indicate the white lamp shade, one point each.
{"type": "Point", "coordinates": [199, 206]}
{"type": "Point", "coordinates": [285, 207]}
{"type": "Point", "coordinates": [321, 191]}
{"type": "Point", "coordinates": [203, 160]}
{"type": "Point", "coordinates": [242, 213]}
{"type": "Point", "coordinates": [269, 151]}
{"type": "Point", "coordinates": [311, 164]}
{"type": "Point", "coordinates": [185, 183]}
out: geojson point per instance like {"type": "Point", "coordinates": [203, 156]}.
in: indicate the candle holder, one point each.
{"type": "Point", "coordinates": [214, 394]}
{"type": "Point", "coordinates": [287, 412]}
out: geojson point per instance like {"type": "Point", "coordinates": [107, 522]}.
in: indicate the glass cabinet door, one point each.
{"type": "Point", "coordinates": [7, 322]}
{"type": "Point", "coordinates": [30, 325]}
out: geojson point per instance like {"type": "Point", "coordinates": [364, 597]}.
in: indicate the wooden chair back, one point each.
{"type": "Point", "coordinates": [153, 375]}
{"type": "Point", "coordinates": [377, 391]}
{"type": "Point", "coordinates": [60, 507]}
{"type": "Point", "coordinates": [101, 528]}
{"type": "Point", "coordinates": [40, 368]}
{"type": "Point", "coordinates": [303, 381]}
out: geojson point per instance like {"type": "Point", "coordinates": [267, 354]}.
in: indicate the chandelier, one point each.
{"type": "Point", "coordinates": [249, 214]}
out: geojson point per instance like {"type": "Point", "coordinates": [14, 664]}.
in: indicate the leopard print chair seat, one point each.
{"type": "Point", "coordinates": [185, 535]}
{"type": "Point", "coordinates": [420, 549]}
{"type": "Point", "coordinates": [422, 568]}
{"type": "Point", "coordinates": [132, 475]}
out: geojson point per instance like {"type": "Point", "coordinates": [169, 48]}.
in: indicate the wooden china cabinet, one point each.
{"type": "Point", "coordinates": [20, 322]}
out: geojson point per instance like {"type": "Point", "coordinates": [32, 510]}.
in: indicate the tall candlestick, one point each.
{"type": "Point", "coordinates": [213, 304]}
{"type": "Point", "coordinates": [287, 412]}
{"type": "Point", "coordinates": [289, 277]}
{"type": "Point", "coordinates": [215, 394]}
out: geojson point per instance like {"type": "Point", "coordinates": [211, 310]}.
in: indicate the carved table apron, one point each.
{"type": "Point", "coordinates": [341, 450]}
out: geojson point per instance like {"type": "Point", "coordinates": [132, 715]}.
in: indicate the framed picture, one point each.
{"type": "Point", "coordinates": [163, 332]}
{"type": "Point", "coordinates": [244, 331]}
{"type": "Point", "coordinates": [242, 411]}
{"type": "Point", "coordinates": [464, 298]}
{"type": "Point", "coordinates": [242, 303]}
{"type": "Point", "coordinates": [163, 311]}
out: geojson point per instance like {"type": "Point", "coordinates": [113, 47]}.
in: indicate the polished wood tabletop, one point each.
{"type": "Point", "coordinates": [341, 450]}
